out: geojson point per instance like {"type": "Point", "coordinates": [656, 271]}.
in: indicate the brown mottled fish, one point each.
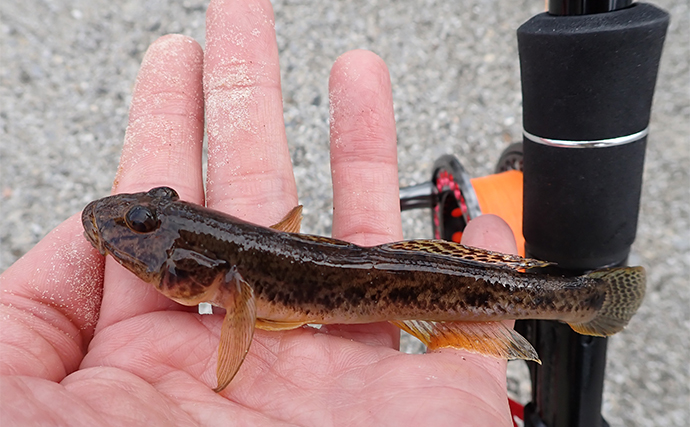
{"type": "Point", "coordinates": [444, 293]}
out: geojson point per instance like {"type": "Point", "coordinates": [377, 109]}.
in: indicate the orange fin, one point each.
{"type": "Point", "coordinates": [487, 338]}
{"type": "Point", "coordinates": [292, 221]}
{"type": "Point", "coordinates": [271, 325]}
{"type": "Point", "coordinates": [466, 253]}
{"type": "Point", "coordinates": [237, 330]}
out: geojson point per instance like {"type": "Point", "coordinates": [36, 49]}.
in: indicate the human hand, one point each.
{"type": "Point", "coordinates": [138, 358]}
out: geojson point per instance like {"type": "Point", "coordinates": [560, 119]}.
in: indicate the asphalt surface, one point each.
{"type": "Point", "coordinates": [67, 69]}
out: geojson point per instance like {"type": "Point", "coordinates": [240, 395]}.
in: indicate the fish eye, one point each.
{"type": "Point", "coordinates": [163, 193]}
{"type": "Point", "coordinates": [141, 219]}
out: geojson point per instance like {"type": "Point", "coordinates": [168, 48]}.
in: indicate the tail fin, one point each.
{"type": "Point", "coordinates": [626, 287]}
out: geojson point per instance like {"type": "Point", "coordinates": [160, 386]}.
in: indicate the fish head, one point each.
{"type": "Point", "coordinates": [131, 228]}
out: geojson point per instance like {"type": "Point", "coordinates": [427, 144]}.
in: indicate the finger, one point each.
{"type": "Point", "coordinates": [364, 167]}
{"type": "Point", "coordinates": [490, 232]}
{"type": "Point", "coordinates": [249, 170]}
{"type": "Point", "coordinates": [165, 131]}
{"type": "Point", "coordinates": [162, 147]}
{"type": "Point", "coordinates": [49, 303]}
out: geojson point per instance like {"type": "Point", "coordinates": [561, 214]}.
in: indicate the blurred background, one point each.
{"type": "Point", "coordinates": [67, 69]}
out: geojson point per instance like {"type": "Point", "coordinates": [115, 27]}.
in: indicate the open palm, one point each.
{"type": "Point", "coordinates": [85, 342]}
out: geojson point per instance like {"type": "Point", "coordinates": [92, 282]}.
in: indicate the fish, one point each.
{"type": "Point", "coordinates": [274, 278]}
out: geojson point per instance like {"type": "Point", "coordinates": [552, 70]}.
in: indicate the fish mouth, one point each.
{"type": "Point", "coordinates": [88, 220]}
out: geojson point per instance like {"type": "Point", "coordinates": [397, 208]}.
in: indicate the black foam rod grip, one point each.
{"type": "Point", "coordinates": [587, 88]}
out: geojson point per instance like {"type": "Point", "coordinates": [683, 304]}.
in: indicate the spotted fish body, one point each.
{"type": "Point", "coordinates": [444, 293]}
{"type": "Point", "coordinates": [338, 282]}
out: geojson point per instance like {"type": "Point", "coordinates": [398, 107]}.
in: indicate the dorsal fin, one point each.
{"type": "Point", "coordinates": [292, 222]}
{"type": "Point", "coordinates": [466, 253]}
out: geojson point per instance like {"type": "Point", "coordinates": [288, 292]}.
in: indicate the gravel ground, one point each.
{"type": "Point", "coordinates": [67, 69]}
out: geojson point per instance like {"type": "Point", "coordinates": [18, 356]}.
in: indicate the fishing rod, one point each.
{"type": "Point", "coordinates": [571, 189]}
{"type": "Point", "coordinates": [588, 71]}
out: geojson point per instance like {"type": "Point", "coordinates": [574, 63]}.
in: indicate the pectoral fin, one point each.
{"type": "Point", "coordinates": [237, 330]}
{"type": "Point", "coordinates": [292, 221]}
{"type": "Point", "coordinates": [487, 338]}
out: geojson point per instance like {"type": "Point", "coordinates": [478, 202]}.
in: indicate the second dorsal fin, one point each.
{"type": "Point", "coordinates": [468, 254]}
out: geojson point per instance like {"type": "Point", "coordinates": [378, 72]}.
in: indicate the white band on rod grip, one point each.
{"type": "Point", "coordinates": [599, 143]}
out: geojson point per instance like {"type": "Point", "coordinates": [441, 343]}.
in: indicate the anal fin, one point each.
{"type": "Point", "coordinates": [237, 330]}
{"type": "Point", "coordinates": [487, 338]}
